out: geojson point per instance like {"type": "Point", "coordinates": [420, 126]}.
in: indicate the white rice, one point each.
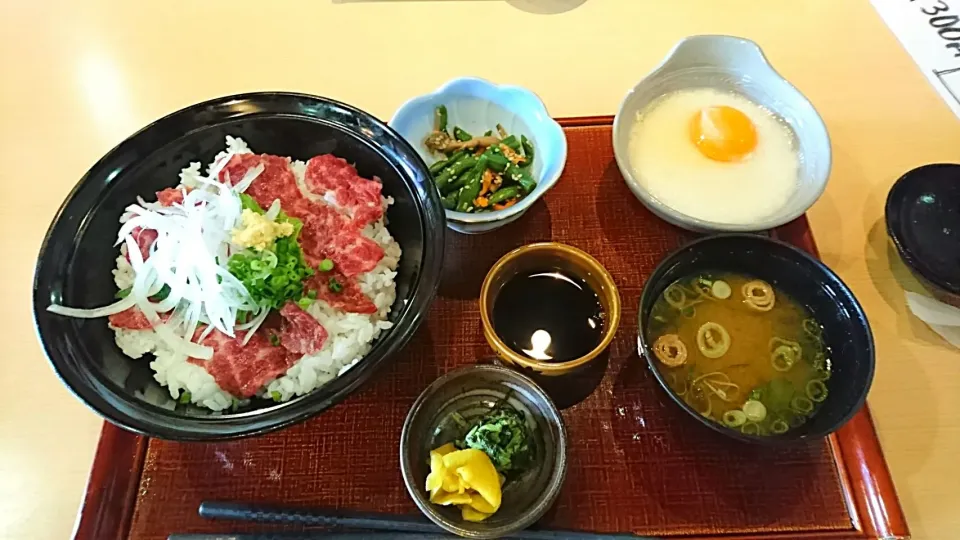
{"type": "Point", "coordinates": [350, 335]}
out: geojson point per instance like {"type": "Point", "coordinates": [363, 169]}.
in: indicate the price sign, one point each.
{"type": "Point", "coordinates": [930, 31]}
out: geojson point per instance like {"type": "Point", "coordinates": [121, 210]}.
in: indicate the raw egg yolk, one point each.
{"type": "Point", "coordinates": [723, 133]}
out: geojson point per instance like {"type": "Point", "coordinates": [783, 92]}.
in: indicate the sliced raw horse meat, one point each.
{"type": "Point", "coordinates": [329, 234]}
{"type": "Point", "coordinates": [300, 333]}
{"type": "Point", "coordinates": [326, 232]}
{"type": "Point", "coordinates": [337, 181]}
{"type": "Point", "coordinates": [350, 298]}
{"type": "Point", "coordinates": [170, 196]}
{"type": "Point", "coordinates": [130, 319]}
{"type": "Point", "coordinates": [242, 370]}
{"type": "Point", "coordinates": [275, 182]}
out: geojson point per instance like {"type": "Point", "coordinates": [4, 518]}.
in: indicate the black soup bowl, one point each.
{"type": "Point", "coordinates": [846, 332]}
{"type": "Point", "coordinates": [77, 254]}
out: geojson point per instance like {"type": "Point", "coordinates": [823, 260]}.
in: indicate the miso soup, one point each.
{"type": "Point", "coordinates": [740, 352]}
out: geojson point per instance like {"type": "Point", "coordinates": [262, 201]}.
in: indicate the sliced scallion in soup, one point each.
{"type": "Point", "coordinates": [740, 352]}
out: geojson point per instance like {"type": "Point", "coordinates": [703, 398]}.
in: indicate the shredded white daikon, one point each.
{"type": "Point", "coordinates": [189, 257]}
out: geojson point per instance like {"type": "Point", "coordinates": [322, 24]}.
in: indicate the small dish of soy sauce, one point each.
{"type": "Point", "coordinates": [549, 307]}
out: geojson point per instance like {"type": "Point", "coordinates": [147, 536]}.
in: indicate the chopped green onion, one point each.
{"type": "Point", "coordinates": [312, 294]}
{"type": "Point", "coordinates": [816, 390]}
{"type": "Point", "coordinates": [276, 396]}
{"type": "Point", "coordinates": [123, 294]}
{"type": "Point", "coordinates": [688, 312]}
{"type": "Point", "coordinates": [274, 275]}
{"type": "Point", "coordinates": [778, 426]}
{"type": "Point", "coordinates": [334, 285]}
{"type": "Point", "coordinates": [813, 328]}
{"type": "Point", "coordinates": [162, 294]}
{"type": "Point", "coordinates": [305, 302]}
{"type": "Point", "coordinates": [184, 397]}
{"type": "Point", "coordinates": [801, 405]}
{"type": "Point", "coordinates": [755, 411]}
{"type": "Point", "coordinates": [734, 418]}
{"type": "Point", "coordinates": [720, 289]}
{"type": "Point", "coordinates": [750, 428]}
{"type": "Point", "coordinates": [274, 340]}
{"type": "Point", "coordinates": [325, 265]}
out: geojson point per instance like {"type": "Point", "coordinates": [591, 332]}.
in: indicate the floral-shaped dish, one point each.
{"type": "Point", "coordinates": [478, 105]}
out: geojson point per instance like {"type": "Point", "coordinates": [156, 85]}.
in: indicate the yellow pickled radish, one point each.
{"type": "Point", "coordinates": [477, 472]}
{"type": "Point", "coordinates": [444, 498]}
{"type": "Point", "coordinates": [469, 514]}
{"type": "Point", "coordinates": [466, 478]}
{"type": "Point", "coordinates": [480, 504]}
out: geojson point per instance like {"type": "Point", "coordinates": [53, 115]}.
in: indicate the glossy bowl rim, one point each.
{"type": "Point", "coordinates": [896, 228]}
{"type": "Point", "coordinates": [689, 222]}
{"type": "Point", "coordinates": [526, 202]}
{"type": "Point", "coordinates": [612, 322]}
{"type": "Point", "coordinates": [644, 349]}
{"type": "Point", "coordinates": [559, 468]}
{"type": "Point", "coordinates": [247, 423]}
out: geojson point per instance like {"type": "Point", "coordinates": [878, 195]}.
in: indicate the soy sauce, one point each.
{"type": "Point", "coordinates": [548, 315]}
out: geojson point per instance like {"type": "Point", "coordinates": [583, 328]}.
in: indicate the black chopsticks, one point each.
{"type": "Point", "coordinates": [394, 527]}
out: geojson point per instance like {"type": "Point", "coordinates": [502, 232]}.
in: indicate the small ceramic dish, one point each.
{"type": "Point", "coordinates": [550, 255]}
{"type": "Point", "coordinates": [737, 66]}
{"type": "Point", "coordinates": [471, 392]}
{"type": "Point", "coordinates": [477, 105]}
{"type": "Point", "coordinates": [923, 221]}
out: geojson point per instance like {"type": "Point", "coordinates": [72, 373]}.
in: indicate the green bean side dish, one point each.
{"type": "Point", "coordinates": [479, 174]}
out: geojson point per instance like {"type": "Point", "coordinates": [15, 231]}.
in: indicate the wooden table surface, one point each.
{"type": "Point", "coordinates": [78, 77]}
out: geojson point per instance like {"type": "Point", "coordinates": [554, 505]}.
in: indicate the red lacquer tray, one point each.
{"type": "Point", "coordinates": [638, 464]}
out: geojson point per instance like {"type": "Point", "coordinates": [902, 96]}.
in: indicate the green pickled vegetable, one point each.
{"type": "Point", "coordinates": [274, 275]}
{"type": "Point", "coordinates": [438, 166]}
{"type": "Point", "coordinates": [453, 171]}
{"type": "Point", "coordinates": [440, 118]}
{"type": "Point", "coordinates": [513, 142]}
{"type": "Point", "coordinates": [276, 396]}
{"type": "Point", "coordinates": [496, 160]}
{"type": "Point", "coordinates": [504, 194]}
{"type": "Point", "coordinates": [522, 177]}
{"type": "Point", "coordinates": [528, 151]}
{"type": "Point", "coordinates": [185, 397]}
{"type": "Point", "coordinates": [504, 436]}
{"type": "Point", "coordinates": [472, 188]}
{"type": "Point", "coordinates": [454, 187]}
{"type": "Point", "coordinates": [461, 135]}
{"type": "Point", "coordinates": [450, 201]}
